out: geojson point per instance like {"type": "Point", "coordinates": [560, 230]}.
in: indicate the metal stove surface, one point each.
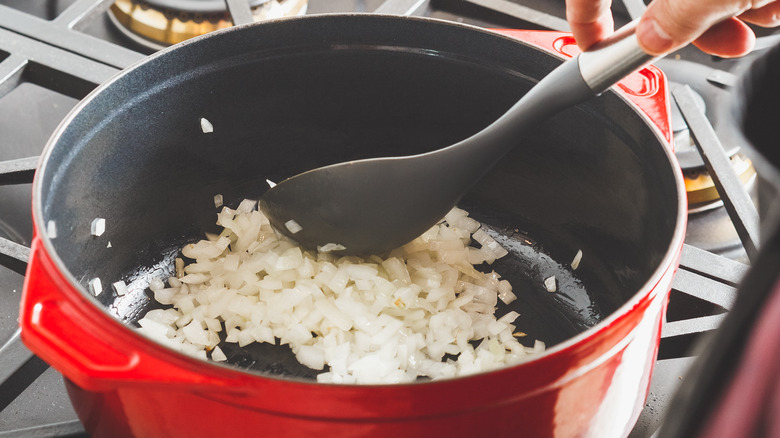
{"type": "Point", "coordinates": [52, 53]}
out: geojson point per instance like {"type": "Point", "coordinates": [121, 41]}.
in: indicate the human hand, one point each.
{"type": "Point", "coordinates": [714, 26]}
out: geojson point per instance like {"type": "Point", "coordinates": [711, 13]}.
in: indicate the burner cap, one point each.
{"type": "Point", "coordinates": [701, 188]}
{"type": "Point", "coordinates": [156, 24]}
{"type": "Point", "coordinates": [197, 6]}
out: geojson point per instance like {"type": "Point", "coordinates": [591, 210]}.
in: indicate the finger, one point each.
{"type": "Point", "coordinates": [765, 16]}
{"type": "Point", "coordinates": [590, 21]}
{"type": "Point", "coordinates": [728, 39]}
{"type": "Point", "coordinates": [667, 25]}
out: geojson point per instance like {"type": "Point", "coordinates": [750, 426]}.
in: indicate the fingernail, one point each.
{"type": "Point", "coordinates": [652, 37]}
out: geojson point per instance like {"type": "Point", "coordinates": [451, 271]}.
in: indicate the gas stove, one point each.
{"type": "Point", "coordinates": [52, 53]}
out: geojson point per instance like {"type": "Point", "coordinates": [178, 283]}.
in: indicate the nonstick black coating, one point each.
{"type": "Point", "coordinates": [295, 94]}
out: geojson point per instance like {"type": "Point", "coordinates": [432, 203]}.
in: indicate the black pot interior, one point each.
{"type": "Point", "coordinates": [295, 94]}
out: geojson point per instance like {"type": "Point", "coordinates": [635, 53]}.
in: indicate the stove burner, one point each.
{"type": "Point", "coordinates": [156, 24]}
{"type": "Point", "coordinates": [701, 188]}
{"type": "Point", "coordinates": [710, 97]}
{"type": "Point", "coordinates": [709, 224]}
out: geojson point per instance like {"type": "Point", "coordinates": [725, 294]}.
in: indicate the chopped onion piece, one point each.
{"type": "Point", "coordinates": [330, 247]}
{"type": "Point", "coordinates": [312, 357]}
{"type": "Point", "coordinates": [397, 270]}
{"type": "Point", "coordinates": [156, 284]}
{"type": "Point", "coordinates": [206, 126]}
{"type": "Point", "coordinates": [51, 229]}
{"type": "Point", "coordinates": [179, 267]}
{"type": "Point", "coordinates": [120, 287]}
{"type": "Point", "coordinates": [505, 293]}
{"type": "Point", "coordinates": [157, 330]}
{"type": "Point", "coordinates": [195, 333]}
{"type": "Point", "coordinates": [98, 226]}
{"type": "Point", "coordinates": [489, 244]}
{"type": "Point", "coordinates": [577, 258]}
{"type": "Point", "coordinates": [95, 286]}
{"type": "Point", "coordinates": [550, 284]}
{"type": "Point", "coordinates": [109, 244]}
{"type": "Point", "coordinates": [217, 355]}
{"type": "Point", "coordinates": [246, 206]}
{"type": "Point", "coordinates": [294, 227]}
{"type": "Point", "coordinates": [270, 183]}
{"type": "Point", "coordinates": [509, 318]}
{"type": "Point", "coordinates": [359, 320]}
{"type": "Point", "coordinates": [231, 262]}
{"type": "Point", "coordinates": [218, 200]}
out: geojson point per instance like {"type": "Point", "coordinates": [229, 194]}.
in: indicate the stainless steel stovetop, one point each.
{"type": "Point", "coordinates": [52, 53]}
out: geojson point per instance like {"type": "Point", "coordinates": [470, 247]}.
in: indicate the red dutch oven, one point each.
{"type": "Point", "coordinates": [293, 94]}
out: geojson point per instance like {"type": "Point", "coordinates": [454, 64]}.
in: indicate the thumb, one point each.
{"type": "Point", "coordinates": [667, 25]}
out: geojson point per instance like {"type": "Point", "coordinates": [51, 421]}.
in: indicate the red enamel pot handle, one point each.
{"type": "Point", "coordinates": [90, 347]}
{"type": "Point", "coordinates": [646, 88]}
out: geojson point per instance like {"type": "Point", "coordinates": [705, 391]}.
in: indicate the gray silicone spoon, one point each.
{"type": "Point", "coordinates": [374, 205]}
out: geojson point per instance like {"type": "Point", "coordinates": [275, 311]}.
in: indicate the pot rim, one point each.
{"type": "Point", "coordinates": [79, 293]}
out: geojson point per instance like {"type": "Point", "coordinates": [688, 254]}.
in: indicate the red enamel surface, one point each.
{"type": "Point", "coordinates": [124, 385]}
{"type": "Point", "coordinates": [146, 389]}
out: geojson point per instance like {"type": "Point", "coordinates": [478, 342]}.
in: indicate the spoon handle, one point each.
{"type": "Point", "coordinates": [573, 82]}
{"type": "Point", "coordinates": [613, 59]}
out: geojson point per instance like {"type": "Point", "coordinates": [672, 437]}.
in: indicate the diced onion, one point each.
{"type": "Point", "coordinates": [492, 249]}
{"type": "Point", "coordinates": [206, 126]}
{"type": "Point", "coordinates": [577, 259]}
{"type": "Point", "coordinates": [156, 284]}
{"type": "Point", "coordinates": [217, 355]}
{"type": "Point", "coordinates": [98, 226]}
{"type": "Point", "coordinates": [95, 286]}
{"type": "Point", "coordinates": [51, 229]}
{"type": "Point", "coordinates": [330, 247]}
{"type": "Point", "coordinates": [418, 311]}
{"type": "Point", "coordinates": [550, 284]}
{"type": "Point", "coordinates": [178, 265]}
{"type": "Point", "coordinates": [218, 200]}
{"type": "Point", "coordinates": [505, 293]}
{"type": "Point", "coordinates": [246, 206]}
{"type": "Point", "coordinates": [509, 318]}
{"type": "Point", "coordinates": [293, 226]}
{"type": "Point", "coordinates": [120, 287]}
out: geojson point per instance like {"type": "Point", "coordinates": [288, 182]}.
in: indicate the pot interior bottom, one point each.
{"type": "Point", "coordinates": [548, 317]}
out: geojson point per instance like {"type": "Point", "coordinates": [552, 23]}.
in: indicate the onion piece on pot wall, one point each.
{"type": "Point", "coordinates": [206, 126]}
{"type": "Point", "coordinates": [418, 311]}
{"type": "Point", "coordinates": [51, 229]}
{"type": "Point", "coordinates": [95, 286]}
{"type": "Point", "coordinates": [98, 226]}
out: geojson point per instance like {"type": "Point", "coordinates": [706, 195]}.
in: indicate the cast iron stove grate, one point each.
{"type": "Point", "coordinates": [73, 50]}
